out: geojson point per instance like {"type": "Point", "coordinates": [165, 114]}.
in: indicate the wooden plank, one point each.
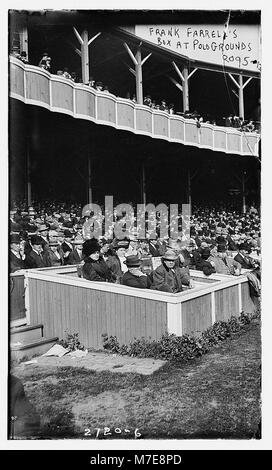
{"type": "Point", "coordinates": [62, 95]}
{"type": "Point", "coordinates": [16, 298]}
{"type": "Point", "coordinates": [248, 305]}
{"type": "Point", "coordinates": [144, 120]}
{"type": "Point", "coordinates": [176, 129]}
{"type": "Point", "coordinates": [125, 115]}
{"type": "Point", "coordinates": [191, 131]}
{"type": "Point", "coordinates": [226, 303]}
{"type": "Point", "coordinates": [85, 102]}
{"type": "Point", "coordinates": [16, 79]}
{"type": "Point", "coordinates": [206, 136]}
{"type": "Point", "coordinates": [234, 142]}
{"type": "Point", "coordinates": [37, 87]}
{"type": "Point", "coordinates": [219, 139]}
{"type": "Point", "coordinates": [196, 315]}
{"type": "Point", "coordinates": [161, 125]}
{"type": "Point", "coordinates": [106, 109]}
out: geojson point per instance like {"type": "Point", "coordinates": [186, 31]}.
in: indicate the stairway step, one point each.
{"type": "Point", "coordinates": [26, 334]}
{"type": "Point", "coordinates": [26, 351]}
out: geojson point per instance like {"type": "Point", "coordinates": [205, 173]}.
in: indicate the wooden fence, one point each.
{"type": "Point", "coordinates": [62, 302]}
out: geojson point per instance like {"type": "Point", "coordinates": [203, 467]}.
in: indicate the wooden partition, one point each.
{"type": "Point", "coordinates": [17, 310]}
{"type": "Point", "coordinates": [63, 303]}
{"type": "Point", "coordinates": [33, 85]}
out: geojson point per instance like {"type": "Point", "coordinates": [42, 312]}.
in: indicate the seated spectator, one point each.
{"type": "Point", "coordinates": [99, 86]}
{"type": "Point", "coordinates": [60, 73]}
{"type": "Point", "coordinates": [229, 121]}
{"type": "Point", "coordinates": [67, 246]}
{"type": "Point", "coordinates": [237, 121]}
{"type": "Point", "coordinates": [73, 76]}
{"type": "Point", "coordinates": [53, 257]}
{"type": "Point", "coordinates": [91, 82]}
{"type": "Point", "coordinates": [15, 52]}
{"type": "Point", "coordinates": [45, 62]}
{"type": "Point", "coordinates": [163, 106]}
{"type": "Point", "coordinates": [171, 108]}
{"type": "Point", "coordinates": [75, 256]}
{"type": "Point", "coordinates": [168, 277]}
{"type": "Point", "coordinates": [35, 258]}
{"type": "Point", "coordinates": [134, 277]}
{"type": "Point", "coordinates": [222, 263]}
{"type": "Point", "coordinates": [66, 73]}
{"type": "Point", "coordinates": [94, 267]}
{"type": "Point", "coordinates": [203, 264]}
{"type": "Point", "coordinates": [16, 254]}
{"type": "Point", "coordinates": [116, 260]}
{"type": "Point", "coordinates": [23, 57]}
{"type": "Point", "coordinates": [106, 89]}
{"type": "Point", "coordinates": [147, 101]}
{"type": "Point", "coordinates": [242, 257]}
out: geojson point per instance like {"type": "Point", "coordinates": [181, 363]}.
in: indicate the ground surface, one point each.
{"type": "Point", "coordinates": [215, 396]}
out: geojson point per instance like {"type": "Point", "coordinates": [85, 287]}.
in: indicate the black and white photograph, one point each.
{"type": "Point", "coordinates": [134, 225]}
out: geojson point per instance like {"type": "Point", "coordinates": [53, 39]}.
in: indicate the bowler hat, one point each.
{"type": "Point", "coordinates": [244, 246]}
{"type": "Point", "coordinates": [170, 255]}
{"type": "Point", "coordinates": [14, 238]}
{"type": "Point", "coordinates": [68, 234]}
{"type": "Point", "coordinates": [36, 240]}
{"type": "Point", "coordinates": [132, 261]}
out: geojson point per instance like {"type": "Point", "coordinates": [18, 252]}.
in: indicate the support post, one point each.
{"type": "Point", "coordinates": [85, 57]}
{"type": "Point", "coordinates": [189, 188]}
{"type": "Point", "coordinates": [24, 40]}
{"type": "Point", "coordinates": [28, 170]}
{"type": "Point", "coordinates": [139, 77]}
{"type": "Point", "coordinates": [241, 97]}
{"type": "Point", "coordinates": [143, 184]}
{"type": "Point", "coordinates": [243, 193]}
{"type": "Point", "coordinates": [185, 89]}
{"type": "Point", "coordinates": [90, 191]}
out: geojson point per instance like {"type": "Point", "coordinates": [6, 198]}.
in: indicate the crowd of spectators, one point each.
{"type": "Point", "coordinates": [219, 241]}
{"type": "Point", "coordinates": [231, 120]}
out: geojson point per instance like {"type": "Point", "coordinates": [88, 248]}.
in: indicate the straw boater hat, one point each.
{"type": "Point", "coordinates": [170, 255]}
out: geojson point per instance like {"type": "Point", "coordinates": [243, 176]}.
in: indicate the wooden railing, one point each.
{"type": "Point", "coordinates": [62, 302]}
{"type": "Point", "coordinates": [34, 85]}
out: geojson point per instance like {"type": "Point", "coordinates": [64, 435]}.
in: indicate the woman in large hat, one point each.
{"type": "Point", "coordinates": [94, 267]}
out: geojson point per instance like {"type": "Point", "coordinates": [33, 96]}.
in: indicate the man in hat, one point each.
{"type": "Point", "coordinates": [16, 254]}
{"type": "Point", "coordinates": [99, 86]}
{"type": "Point", "coordinates": [134, 277]}
{"type": "Point", "coordinates": [242, 257]}
{"type": "Point", "coordinates": [67, 246]}
{"type": "Point", "coordinates": [222, 263]}
{"type": "Point", "coordinates": [53, 256]}
{"type": "Point", "coordinates": [35, 259]}
{"type": "Point", "coordinates": [75, 256]}
{"type": "Point", "coordinates": [168, 277]}
{"type": "Point", "coordinates": [43, 231]}
{"type": "Point", "coordinates": [116, 260]}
